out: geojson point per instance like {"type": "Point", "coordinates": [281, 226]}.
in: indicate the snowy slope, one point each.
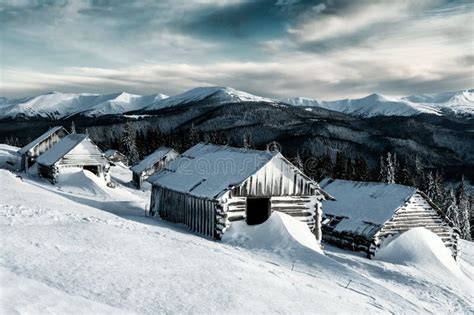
{"type": "Point", "coordinates": [92, 250]}
{"type": "Point", "coordinates": [59, 105]}
{"type": "Point", "coordinates": [459, 103]}
{"type": "Point", "coordinates": [212, 94]}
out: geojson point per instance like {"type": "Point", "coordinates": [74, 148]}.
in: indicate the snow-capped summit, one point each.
{"type": "Point", "coordinates": [56, 105]}
{"type": "Point", "coordinates": [459, 103]}
{"type": "Point", "coordinates": [213, 94]}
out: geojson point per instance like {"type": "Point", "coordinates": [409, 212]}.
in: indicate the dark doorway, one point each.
{"type": "Point", "coordinates": [258, 210]}
{"type": "Point", "coordinates": [92, 168]}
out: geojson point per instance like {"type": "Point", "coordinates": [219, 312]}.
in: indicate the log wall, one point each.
{"type": "Point", "coordinates": [199, 215]}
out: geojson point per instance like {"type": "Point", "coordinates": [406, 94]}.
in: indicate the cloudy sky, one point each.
{"type": "Point", "coordinates": [277, 48]}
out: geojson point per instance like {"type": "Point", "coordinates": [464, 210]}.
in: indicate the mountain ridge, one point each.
{"type": "Point", "coordinates": [460, 103]}
{"type": "Point", "coordinates": [56, 105]}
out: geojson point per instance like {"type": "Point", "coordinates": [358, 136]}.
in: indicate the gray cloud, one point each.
{"type": "Point", "coordinates": [321, 49]}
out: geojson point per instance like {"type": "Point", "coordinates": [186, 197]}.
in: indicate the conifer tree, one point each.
{"type": "Point", "coordinates": [128, 144]}
{"type": "Point", "coordinates": [298, 161]}
{"type": "Point", "coordinates": [193, 136]}
{"type": "Point", "coordinates": [340, 166]}
{"type": "Point", "coordinates": [361, 169]}
{"type": "Point", "coordinates": [248, 141]}
{"type": "Point", "coordinates": [73, 127]}
{"type": "Point", "coordinates": [451, 208]}
{"type": "Point", "coordinates": [464, 211]}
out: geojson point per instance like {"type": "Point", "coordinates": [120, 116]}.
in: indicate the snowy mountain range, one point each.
{"type": "Point", "coordinates": [56, 105]}
{"type": "Point", "coordinates": [214, 95]}
{"type": "Point", "coordinates": [62, 105]}
{"type": "Point", "coordinates": [459, 103]}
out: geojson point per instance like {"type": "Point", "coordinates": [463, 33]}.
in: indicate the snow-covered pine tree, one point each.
{"type": "Point", "coordinates": [429, 186]}
{"type": "Point", "coordinates": [451, 208]}
{"type": "Point", "coordinates": [73, 127]}
{"type": "Point", "coordinates": [298, 161]}
{"type": "Point", "coordinates": [464, 211]}
{"type": "Point", "coordinates": [419, 173]}
{"type": "Point", "coordinates": [248, 141]}
{"type": "Point", "coordinates": [387, 169]}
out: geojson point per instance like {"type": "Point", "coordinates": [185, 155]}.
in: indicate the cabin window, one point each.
{"type": "Point", "coordinates": [258, 210]}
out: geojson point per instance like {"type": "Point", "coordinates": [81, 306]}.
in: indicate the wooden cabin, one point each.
{"type": "Point", "coordinates": [115, 156]}
{"type": "Point", "coordinates": [151, 164]}
{"type": "Point", "coordinates": [363, 214]}
{"type": "Point", "coordinates": [210, 186]}
{"type": "Point", "coordinates": [35, 148]}
{"type": "Point", "coordinates": [74, 150]}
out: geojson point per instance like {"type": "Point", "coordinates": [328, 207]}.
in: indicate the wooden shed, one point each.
{"type": "Point", "coordinates": [115, 156]}
{"type": "Point", "coordinates": [30, 152]}
{"type": "Point", "coordinates": [74, 150]}
{"type": "Point", "coordinates": [151, 164]}
{"type": "Point", "coordinates": [363, 214]}
{"type": "Point", "coordinates": [209, 186]}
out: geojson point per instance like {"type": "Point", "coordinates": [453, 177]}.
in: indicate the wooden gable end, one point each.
{"type": "Point", "coordinates": [277, 178]}
{"type": "Point", "coordinates": [85, 153]}
{"type": "Point", "coordinates": [417, 212]}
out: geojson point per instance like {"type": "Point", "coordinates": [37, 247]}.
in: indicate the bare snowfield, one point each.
{"type": "Point", "coordinates": [82, 247]}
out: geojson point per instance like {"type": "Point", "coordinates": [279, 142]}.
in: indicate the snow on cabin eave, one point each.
{"type": "Point", "coordinates": [43, 137]}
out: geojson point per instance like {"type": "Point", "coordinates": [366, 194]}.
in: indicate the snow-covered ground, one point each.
{"type": "Point", "coordinates": [83, 247]}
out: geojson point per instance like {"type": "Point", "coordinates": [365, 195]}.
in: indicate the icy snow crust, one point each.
{"type": "Point", "coordinates": [458, 102]}
{"type": "Point", "coordinates": [363, 201]}
{"type": "Point", "coordinates": [93, 251]}
{"type": "Point", "coordinates": [151, 159]}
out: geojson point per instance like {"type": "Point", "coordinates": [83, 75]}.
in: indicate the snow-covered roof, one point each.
{"type": "Point", "coordinates": [40, 139]}
{"type": "Point", "coordinates": [61, 148]}
{"type": "Point", "coordinates": [111, 152]}
{"type": "Point", "coordinates": [207, 170]}
{"type": "Point", "coordinates": [151, 159]}
{"type": "Point", "coordinates": [361, 202]}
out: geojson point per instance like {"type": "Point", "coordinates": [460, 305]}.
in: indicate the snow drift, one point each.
{"type": "Point", "coordinates": [418, 247]}
{"type": "Point", "coordinates": [280, 232]}
{"type": "Point", "coordinates": [9, 159]}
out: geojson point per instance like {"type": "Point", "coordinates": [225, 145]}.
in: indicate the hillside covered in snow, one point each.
{"type": "Point", "coordinates": [459, 103]}
{"type": "Point", "coordinates": [83, 247]}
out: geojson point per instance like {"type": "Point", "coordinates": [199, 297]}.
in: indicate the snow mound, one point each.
{"type": "Point", "coordinates": [418, 247]}
{"type": "Point", "coordinates": [280, 232]}
{"type": "Point", "coordinates": [81, 182]}
{"type": "Point", "coordinates": [9, 158]}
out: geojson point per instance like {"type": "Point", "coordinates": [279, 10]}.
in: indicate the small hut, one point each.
{"type": "Point", "coordinates": [363, 214]}
{"type": "Point", "coordinates": [115, 156]}
{"type": "Point", "coordinates": [151, 164]}
{"type": "Point", "coordinates": [210, 186]}
{"type": "Point", "coordinates": [74, 150]}
{"type": "Point", "coordinates": [35, 148]}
